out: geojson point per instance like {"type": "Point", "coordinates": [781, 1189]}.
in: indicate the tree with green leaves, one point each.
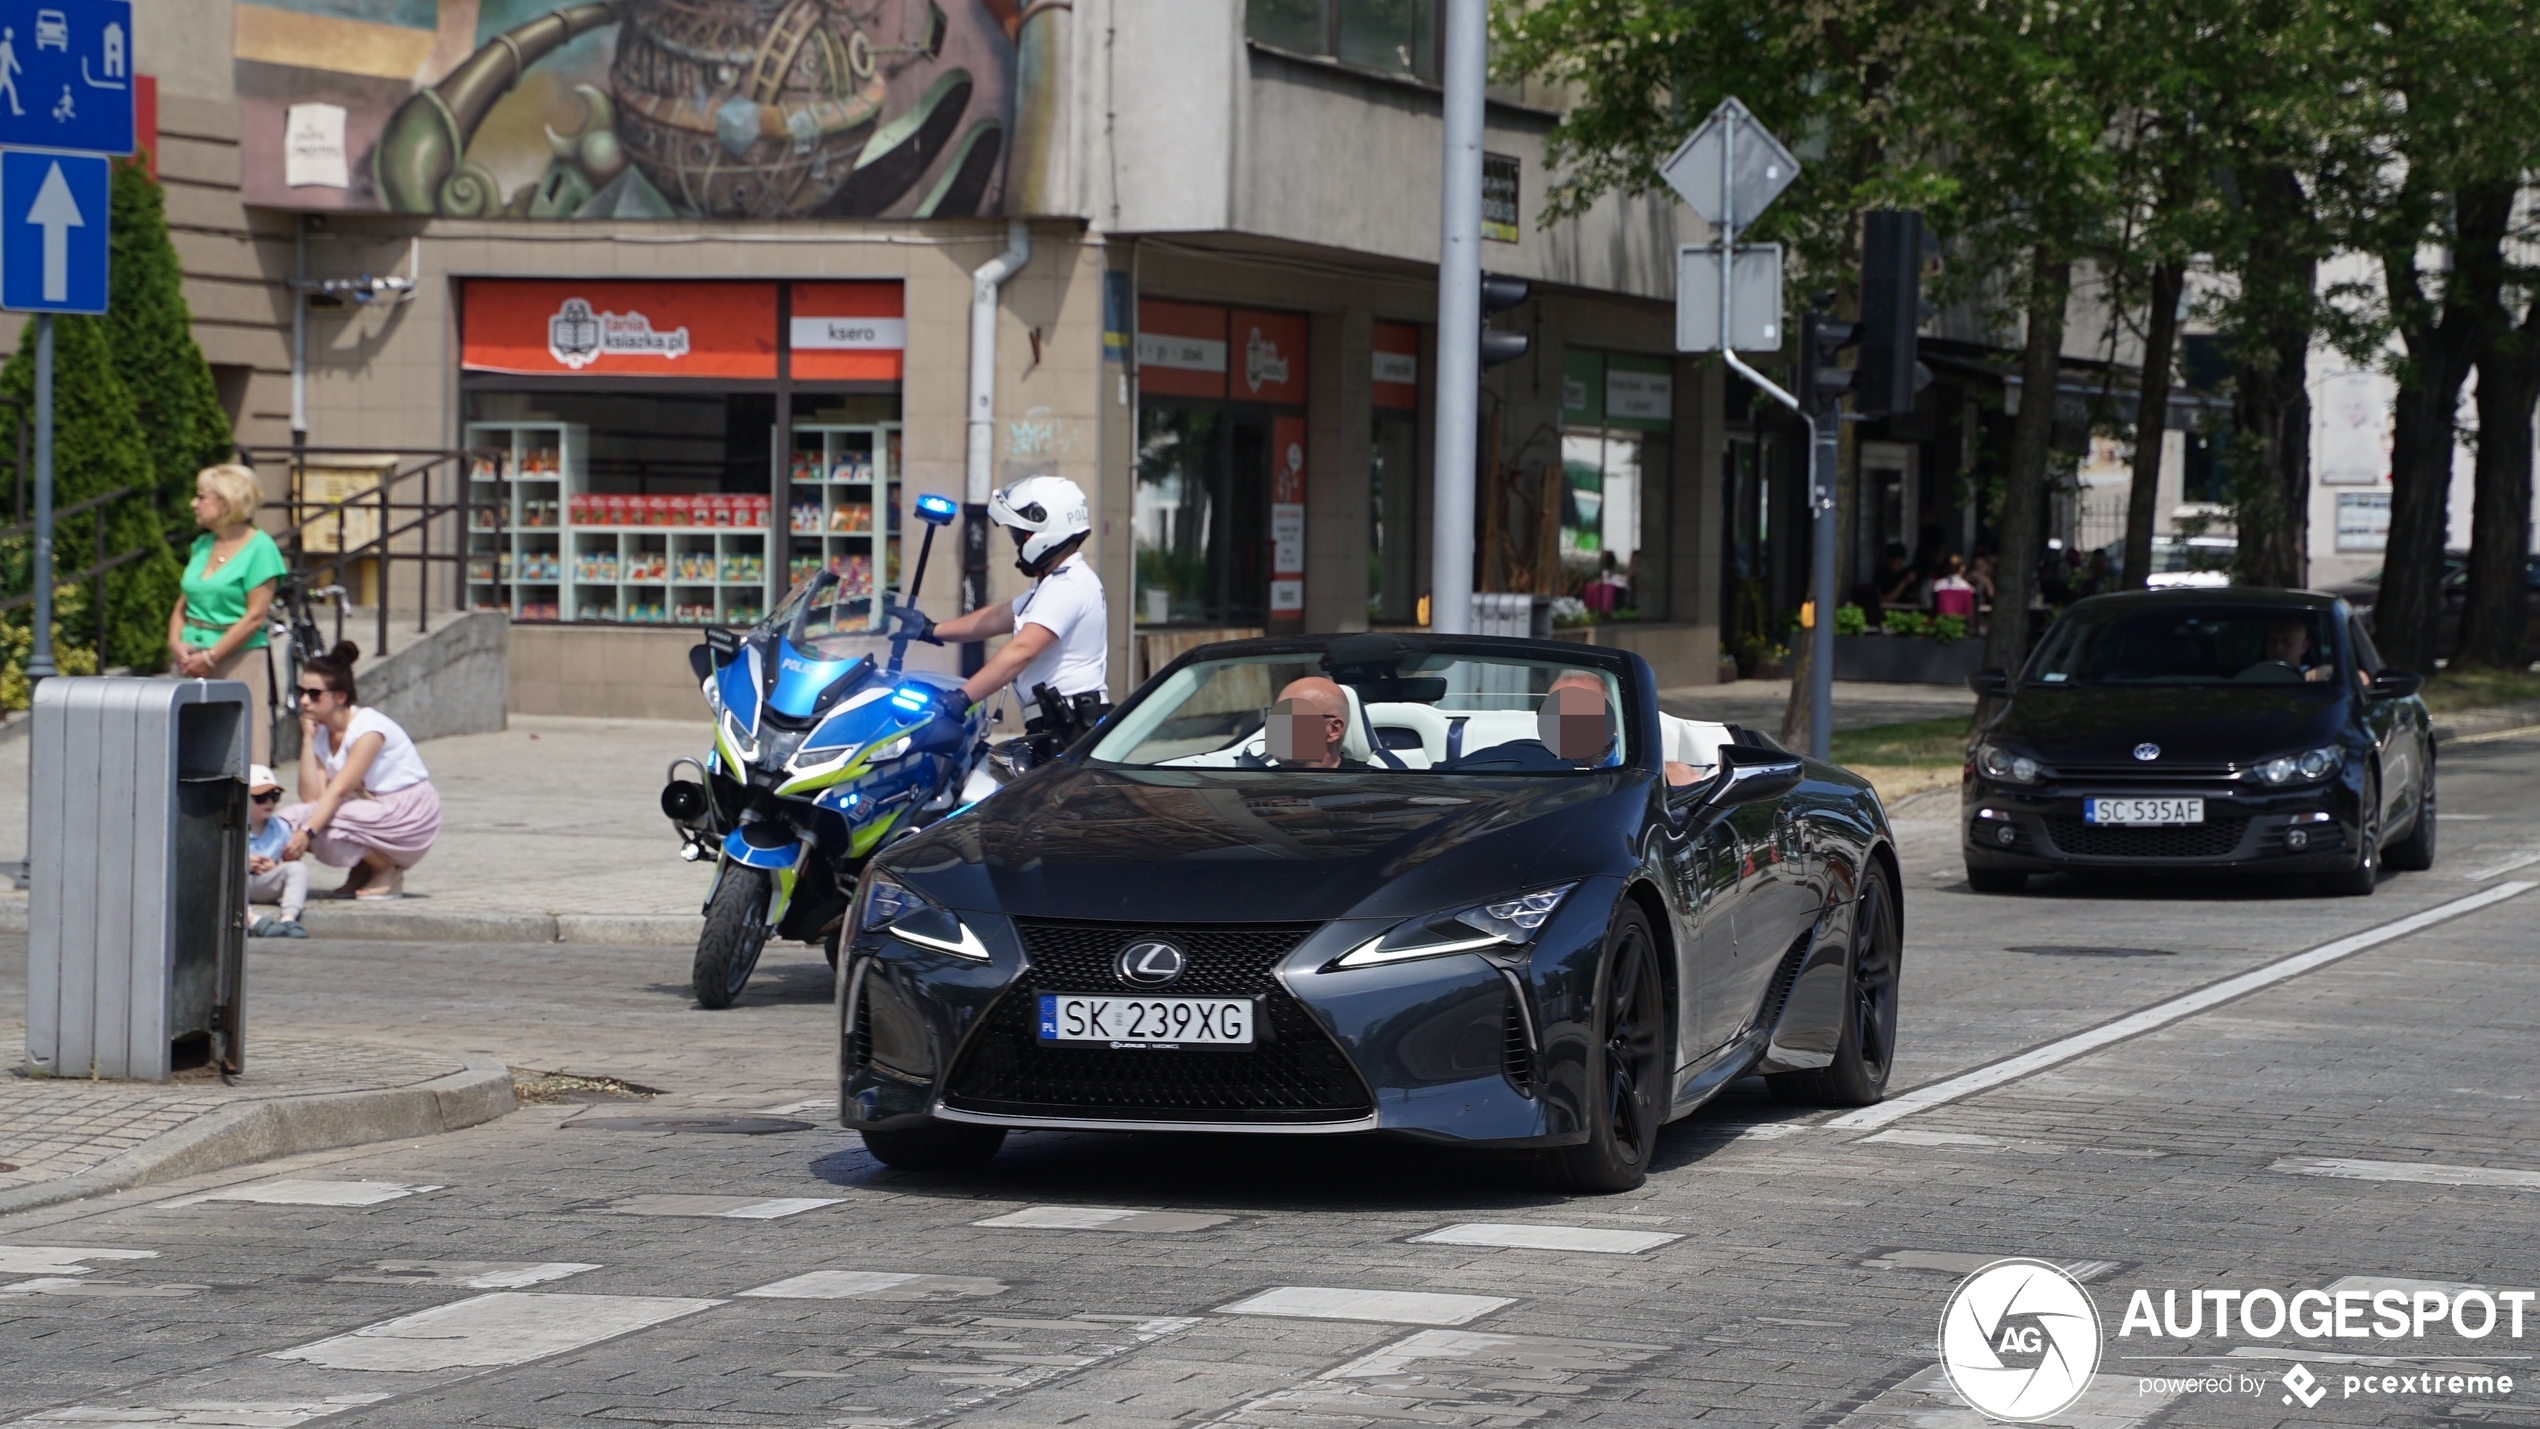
{"type": "Point", "coordinates": [151, 331]}
{"type": "Point", "coordinates": [98, 446]}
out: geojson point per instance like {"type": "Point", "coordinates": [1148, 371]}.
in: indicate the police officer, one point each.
{"type": "Point", "coordinates": [1060, 627]}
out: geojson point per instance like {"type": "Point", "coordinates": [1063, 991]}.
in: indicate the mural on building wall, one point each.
{"type": "Point", "coordinates": [645, 108]}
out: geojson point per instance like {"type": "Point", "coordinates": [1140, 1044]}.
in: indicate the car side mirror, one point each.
{"type": "Point", "coordinates": [2396, 684]}
{"type": "Point", "coordinates": [1992, 684]}
{"type": "Point", "coordinates": [1751, 774]}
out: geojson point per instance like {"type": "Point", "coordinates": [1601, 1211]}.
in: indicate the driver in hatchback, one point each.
{"type": "Point", "coordinates": [2289, 644]}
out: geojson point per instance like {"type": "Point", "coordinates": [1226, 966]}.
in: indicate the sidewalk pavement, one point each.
{"type": "Point", "coordinates": [62, 1138]}
{"type": "Point", "coordinates": [551, 830]}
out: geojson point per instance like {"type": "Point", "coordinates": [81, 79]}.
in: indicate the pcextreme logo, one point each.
{"type": "Point", "coordinates": [2019, 1340]}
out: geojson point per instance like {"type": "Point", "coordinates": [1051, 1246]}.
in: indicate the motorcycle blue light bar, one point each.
{"type": "Point", "coordinates": [936, 510]}
{"type": "Point", "coordinates": [911, 698]}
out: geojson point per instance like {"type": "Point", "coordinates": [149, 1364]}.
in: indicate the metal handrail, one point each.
{"type": "Point", "coordinates": [382, 500]}
{"type": "Point", "coordinates": [95, 574]}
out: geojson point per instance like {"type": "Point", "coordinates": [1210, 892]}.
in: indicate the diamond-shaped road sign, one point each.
{"type": "Point", "coordinates": [1731, 139]}
{"type": "Point", "coordinates": [1755, 298]}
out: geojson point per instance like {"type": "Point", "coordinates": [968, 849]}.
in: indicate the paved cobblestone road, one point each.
{"type": "Point", "coordinates": [2370, 1125]}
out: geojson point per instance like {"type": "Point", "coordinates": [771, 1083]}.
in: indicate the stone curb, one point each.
{"type": "Point", "coordinates": [287, 1126]}
{"type": "Point", "coordinates": [415, 925]}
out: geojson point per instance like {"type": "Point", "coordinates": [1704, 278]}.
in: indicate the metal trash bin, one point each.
{"type": "Point", "coordinates": [137, 886]}
{"type": "Point", "coordinates": [1521, 617]}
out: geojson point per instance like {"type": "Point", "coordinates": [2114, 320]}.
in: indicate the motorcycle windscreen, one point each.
{"type": "Point", "coordinates": [801, 679]}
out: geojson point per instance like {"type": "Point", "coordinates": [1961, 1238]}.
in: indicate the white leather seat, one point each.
{"type": "Point", "coordinates": [1423, 720]}
{"type": "Point", "coordinates": [1693, 741]}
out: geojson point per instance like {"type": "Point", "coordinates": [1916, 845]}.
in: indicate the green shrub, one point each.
{"type": "Point", "coordinates": [1851, 620]}
{"type": "Point", "coordinates": [1907, 623]}
{"type": "Point", "coordinates": [1949, 627]}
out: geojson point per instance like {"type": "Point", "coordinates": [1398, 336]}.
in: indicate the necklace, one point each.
{"type": "Point", "coordinates": [215, 558]}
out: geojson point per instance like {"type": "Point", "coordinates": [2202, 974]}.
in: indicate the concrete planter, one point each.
{"type": "Point", "coordinates": [1906, 660]}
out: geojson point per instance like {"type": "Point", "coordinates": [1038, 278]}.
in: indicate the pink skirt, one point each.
{"type": "Point", "coordinates": [401, 826]}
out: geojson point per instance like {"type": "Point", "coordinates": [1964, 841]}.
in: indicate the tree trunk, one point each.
{"type": "Point", "coordinates": [2151, 422]}
{"type": "Point", "coordinates": [2271, 402]}
{"type": "Point", "coordinates": [2050, 282]}
{"type": "Point", "coordinates": [2441, 338]}
{"type": "Point", "coordinates": [2494, 620]}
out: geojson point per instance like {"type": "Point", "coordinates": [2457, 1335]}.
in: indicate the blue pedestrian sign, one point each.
{"type": "Point", "coordinates": [52, 232]}
{"type": "Point", "coordinates": [66, 75]}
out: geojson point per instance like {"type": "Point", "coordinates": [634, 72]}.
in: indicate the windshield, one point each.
{"type": "Point", "coordinates": [2126, 643]}
{"type": "Point", "coordinates": [1437, 712]}
{"type": "Point", "coordinates": [829, 618]}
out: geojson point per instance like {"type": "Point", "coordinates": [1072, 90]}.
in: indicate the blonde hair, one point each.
{"type": "Point", "coordinates": [239, 491]}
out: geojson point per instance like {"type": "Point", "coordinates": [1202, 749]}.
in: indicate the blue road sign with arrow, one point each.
{"type": "Point", "coordinates": [66, 75]}
{"type": "Point", "coordinates": [52, 232]}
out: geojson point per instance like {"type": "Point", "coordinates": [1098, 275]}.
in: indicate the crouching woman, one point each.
{"type": "Point", "coordinates": [370, 803]}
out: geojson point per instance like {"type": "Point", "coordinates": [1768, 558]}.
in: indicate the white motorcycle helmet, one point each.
{"type": "Point", "coordinates": [1044, 513]}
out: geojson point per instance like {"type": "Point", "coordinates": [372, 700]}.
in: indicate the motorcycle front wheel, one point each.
{"type": "Point", "coordinates": [736, 930]}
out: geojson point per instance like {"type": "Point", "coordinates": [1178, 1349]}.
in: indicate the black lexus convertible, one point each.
{"type": "Point", "coordinates": [1471, 890]}
{"type": "Point", "coordinates": [2197, 731]}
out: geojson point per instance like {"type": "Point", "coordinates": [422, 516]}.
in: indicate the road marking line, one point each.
{"type": "Point", "coordinates": [739, 1208]}
{"type": "Point", "coordinates": [262, 1413]}
{"type": "Point", "coordinates": [491, 1331]}
{"type": "Point", "coordinates": [60, 1259]}
{"type": "Point", "coordinates": [100, 1289]}
{"type": "Point", "coordinates": [2518, 732]}
{"type": "Point", "coordinates": [2520, 860]}
{"type": "Point", "coordinates": [1927, 1401]}
{"type": "Point", "coordinates": [2161, 1014]}
{"type": "Point", "coordinates": [308, 1193]}
{"type": "Point", "coordinates": [1936, 1138]}
{"type": "Point", "coordinates": [1103, 1218]}
{"type": "Point", "coordinates": [876, 1284]}
{"type": "Point", "coordinates": [465, 1274]}
{"type": "Point", "coordinates": [2423, 1173]}
{"type": "Point", "coordinates": [798, 1108]}
{"type": "Point", "coordinates": [1537, 1237]}
{"type": "Point", "coordinates": [1962, 1264]}
{"type": "Point", "coordinates": [1400, 1307]}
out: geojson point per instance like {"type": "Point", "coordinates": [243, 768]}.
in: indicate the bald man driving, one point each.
{"type": "Point", "coordinates": [1307, 726]}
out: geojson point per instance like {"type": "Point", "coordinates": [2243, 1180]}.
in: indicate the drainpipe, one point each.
{"type": "Point", "coordinates": [984, 284]}
{"type": "Point", "coordinates": [299, 360]}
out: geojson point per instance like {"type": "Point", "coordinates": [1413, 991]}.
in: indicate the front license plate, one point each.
{"type": "Point", "coordinates": [1147, 1021]}
{"type": "Point", "coordinates": [2143, 811]}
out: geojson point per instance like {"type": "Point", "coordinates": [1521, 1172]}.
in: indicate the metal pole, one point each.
{"type": "Point", "coordinates": [1459, 321]}
{"type": "Point", "coordinates": [39, 664]}
{"type": "Point", "coordinates": [1825, 429]}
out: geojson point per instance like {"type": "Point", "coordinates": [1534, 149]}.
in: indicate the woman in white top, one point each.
{"type": "Point", "coordinates": [374, 809]}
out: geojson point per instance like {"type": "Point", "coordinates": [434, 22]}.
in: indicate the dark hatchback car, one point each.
{"type": "Point", "coordinates": [1465, 921]}
{"type": "Point", "coordinates": [2203, 731]}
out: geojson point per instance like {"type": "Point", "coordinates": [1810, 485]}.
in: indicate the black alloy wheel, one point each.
{"type": "Point", "coordinates": [2415, 853]}
{"type": "Point", "coordinates": [1865, 1051]}
{"type": "Point", "coordinates": [936, 1146]}
{"type": "Point", "coordinates": [735, 934]}
{"type": "Point", "coordinates": [1627, 1067]}
{"type": "Point", "coordinates": [2359, 881]}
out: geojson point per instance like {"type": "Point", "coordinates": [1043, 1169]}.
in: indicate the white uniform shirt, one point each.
{"type": "Point", "coordinates": [1068, 603]}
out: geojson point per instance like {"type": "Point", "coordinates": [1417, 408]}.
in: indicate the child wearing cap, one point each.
{"type": "Point", "coordinates": [271, 877]}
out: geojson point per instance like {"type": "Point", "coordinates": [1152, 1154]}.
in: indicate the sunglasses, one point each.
{"type": "Point", "coordinates": [312, 692]}
{"type": "Point", "coordinates": [273, 798]}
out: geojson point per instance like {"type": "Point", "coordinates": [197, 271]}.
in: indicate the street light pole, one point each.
{"type": "Point", "coordinates": [1459, 320]}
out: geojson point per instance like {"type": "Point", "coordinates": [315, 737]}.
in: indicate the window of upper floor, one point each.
{"type": "Point", "coordinates": [1393, 37]}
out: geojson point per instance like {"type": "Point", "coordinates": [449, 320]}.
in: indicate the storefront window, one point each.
{"type": "Point", "coordinates": [1219, 510]}
{"type": "Point", "coordinates": [1616, 410]}
{"type": "Point", "coordinates": [1393, 477]}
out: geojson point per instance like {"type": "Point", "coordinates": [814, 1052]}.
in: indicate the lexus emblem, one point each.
{"type": "Point", "coordinates": [1151, 963]}
{"type": "Point", "coordinates": [2147, 751]}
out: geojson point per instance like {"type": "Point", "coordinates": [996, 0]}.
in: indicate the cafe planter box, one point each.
{"type": "Point", "coordinates": [1906, 659]}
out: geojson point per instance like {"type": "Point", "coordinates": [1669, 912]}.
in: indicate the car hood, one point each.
{"type": "Point", "coordinates": [2193, 724]}
{"type": "Point", "coordinates": [1224, 846]}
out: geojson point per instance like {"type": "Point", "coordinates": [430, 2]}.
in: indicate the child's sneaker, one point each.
{"type": "Point", "coordinates": [277, 928]}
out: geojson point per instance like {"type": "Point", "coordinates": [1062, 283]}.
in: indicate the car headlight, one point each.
{"type": "Point", "coordinates": [2302, 768]}
{"type": "Point", "coordinates": [1500, 923]}
{"type": "Point", "coordinates": [916, 919]}
{"type": "Point", "coordinates": [1998, 763]}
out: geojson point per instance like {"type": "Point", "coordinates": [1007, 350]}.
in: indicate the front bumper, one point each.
{"type": "Point", "coordinates": [2040, 829]}
{"type": "Point", "coordinates": [1455, 1048]}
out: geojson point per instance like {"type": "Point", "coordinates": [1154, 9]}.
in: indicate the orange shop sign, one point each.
{"type": "Point", "coordinates": [848, 332]}
{"type": "Point", "coordinates": [540, 326]}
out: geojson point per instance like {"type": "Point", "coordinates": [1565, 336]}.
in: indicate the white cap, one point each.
{"type": "Point", "coordinates": [260, 778]}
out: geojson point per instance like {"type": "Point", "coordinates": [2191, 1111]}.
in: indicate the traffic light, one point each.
{"type": "Point", "coordinates": [1821, 339]}
{"type": "Point", "coordinates": [1498, 296]}
{"type": "Point", "coordinates": [1894, 245]}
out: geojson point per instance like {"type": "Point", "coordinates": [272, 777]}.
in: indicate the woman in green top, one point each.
{"type": "Point", "coordinates": [217, 631]}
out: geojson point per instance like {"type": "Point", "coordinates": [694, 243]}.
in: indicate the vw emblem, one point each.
{"type": "Point", "coordinates": [1151, 963]}
{"type": "Point", "coordinates": [2147, 751]}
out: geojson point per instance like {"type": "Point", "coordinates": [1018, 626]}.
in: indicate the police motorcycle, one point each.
{"type": "Point", "coordinates": [825, 750]}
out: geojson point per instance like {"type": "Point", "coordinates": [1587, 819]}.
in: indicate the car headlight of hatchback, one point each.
{"type": "Point", "coordinates": [914, 918]}
{"type": "Point", "coordinates": [2309, 766]}
{"type": "Point", "coordinates": [1500, 923]}
{"type": "Point", "coordinates": [2008, 765]}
